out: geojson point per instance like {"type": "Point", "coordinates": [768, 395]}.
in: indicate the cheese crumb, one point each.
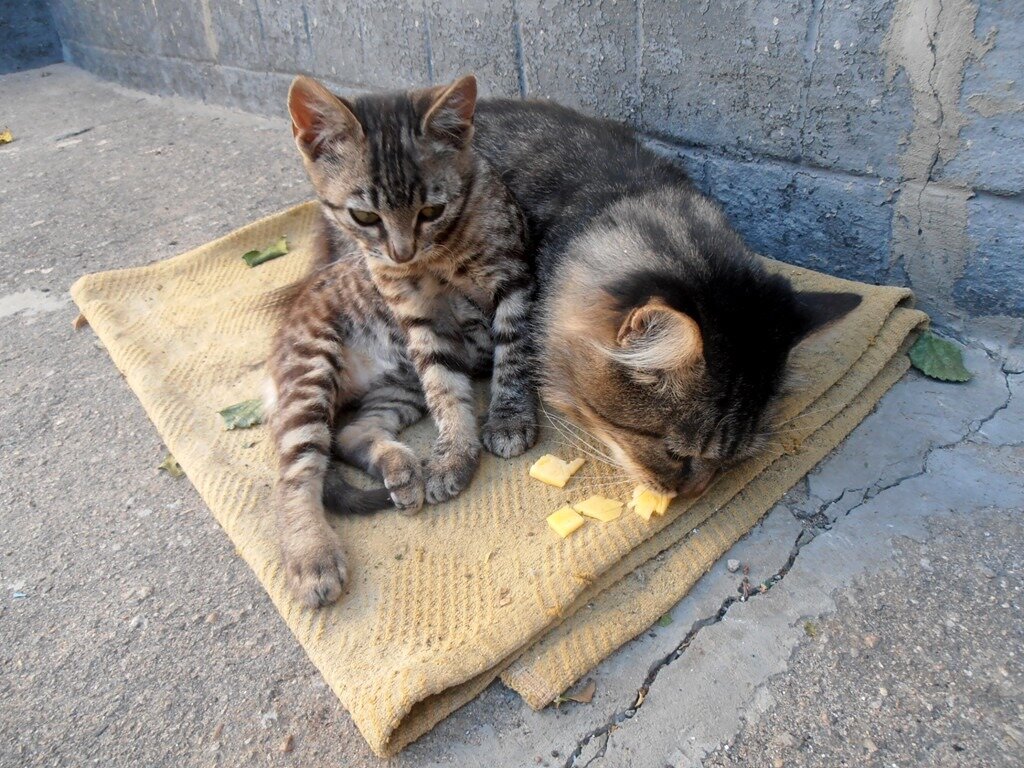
{"type": "Point", "coordinates": [553, 471]}
{"type": "Point", "coordinates": [600, 508]}
{"type": "Point", "coordinates": [646, 502]}
{"type": "Point", "coordinates": [565, 521]}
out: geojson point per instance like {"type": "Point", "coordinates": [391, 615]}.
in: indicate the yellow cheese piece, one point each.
{"type": "Point", "coordinates": [600, 508]}
{"type": "Point", "coordinates": [646, 502]}
{"type": "Point", "coordinates": [553, 471]}
{"type": "Point", "coordinates": [565, 521]}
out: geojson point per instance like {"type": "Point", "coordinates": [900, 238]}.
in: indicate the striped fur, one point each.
{"type": "Point", "coordinates": [422, 282]}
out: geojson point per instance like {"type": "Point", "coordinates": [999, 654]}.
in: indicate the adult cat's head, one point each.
{"type": "Point", "coordinates": [390, 169]}
{"type": "Point", "coordinates": [665, 338]}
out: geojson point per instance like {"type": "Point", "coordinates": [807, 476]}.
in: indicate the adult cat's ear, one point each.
{"type": "Point", "coordinates": [654, 336]}
{"type": "Point", "coordinates": [450, 116]}
{"type": "Point", "coordinates": [318, 116]}
{"type": "Point", "coordinates": [818, 310]}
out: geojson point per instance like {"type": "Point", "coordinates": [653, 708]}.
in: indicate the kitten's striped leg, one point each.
{"type": "Point", "coordinates": [306, 384]}
{"type": "Point", "coordinates": [370, 442]}
{"type": "Point", "coordinates": [476, 333]}
{"type": "Point", "coordinates": [437, 349]}
{"type": "Point", "coordinates": [439, 355]}
{"type": "Point", "coordinates": [511, 425]}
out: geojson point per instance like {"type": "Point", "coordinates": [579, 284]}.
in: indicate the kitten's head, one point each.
{"type": "Point", "coordinates": [391, 170]}
{"type": "Point", "coordinates": [683, 366]}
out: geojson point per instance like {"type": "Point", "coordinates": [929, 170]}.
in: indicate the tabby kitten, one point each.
{"type": "Point", "coordinates": [657, 330]}
{"type": "Point", "coordinates": [422, 282]}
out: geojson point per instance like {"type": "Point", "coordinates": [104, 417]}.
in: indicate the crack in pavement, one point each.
{"type": "Point", "coordinates": [605, 730]}
{"type": "Point", "coordinates": [805, 537]}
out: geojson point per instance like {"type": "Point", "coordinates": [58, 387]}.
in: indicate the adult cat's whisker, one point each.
{"type": "Point", "coordinates": [572, 448]}
{"type": "Point", "coordinates": [792, 430]}
{"type": "Point", "coordinates": [577, 445]}
{"type": "Point", "coordinates": [609, 484]}
{"type": "Point", "coordinates": [583, 434]}
{"type": "Point", "coordinates": [590, 450]}
{"type": "Point", "coordinates": [811, 412]}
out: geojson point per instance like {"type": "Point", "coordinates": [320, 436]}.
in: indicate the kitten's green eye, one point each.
{"type": "Point", "coordinates": [431, 212]}
{"type": "Point", "coordinates": [365, 218]}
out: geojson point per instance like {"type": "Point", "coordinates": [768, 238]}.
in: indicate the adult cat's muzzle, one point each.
{"type": "Point", "coordinates": [693, 487]}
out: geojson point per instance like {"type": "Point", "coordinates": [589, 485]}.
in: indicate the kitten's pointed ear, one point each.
{"type": "Point", "coordinates": [450, 116]}
{"type": "Point", "coordinates": [818, 310]}
{"type": "Point", "coordinates": [318, 117]}
{"type": "Point", "coordinates": [655, 336]}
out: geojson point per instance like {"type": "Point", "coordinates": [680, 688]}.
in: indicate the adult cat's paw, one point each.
{"type": "Point", "coordinates": [315, 567]}
{"type": "Point", "coordinates": [403, 477]}
{"type": "Point", "coordinates": [449, 470]}
{"type": "Point", "coordinates": [509, 436]}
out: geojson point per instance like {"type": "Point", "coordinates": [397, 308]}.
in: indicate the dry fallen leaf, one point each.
{"type": "Point", "coordinates": [288, 743]}
{"type": "Point", "coordinates": [171, 466]}
{"type": "Point", "coordinates": [6, 137]}
{"type": "Point", "coordinates": [584, 696]}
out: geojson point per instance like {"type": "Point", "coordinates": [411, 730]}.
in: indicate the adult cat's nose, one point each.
{"type": "Point", "coordinates": [695, 485]}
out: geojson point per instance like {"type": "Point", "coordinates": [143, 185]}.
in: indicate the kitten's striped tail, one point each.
{"type": "Point", "coordinates": [342, 498]}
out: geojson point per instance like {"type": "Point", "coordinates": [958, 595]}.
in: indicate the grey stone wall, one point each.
{"type": "Point", "coordinates": [28, 37]}
{"type": "Point", "coordinates": [877, 139]}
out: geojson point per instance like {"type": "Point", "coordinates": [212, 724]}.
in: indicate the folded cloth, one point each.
{"type": "Point", "coordinates": [442, 603]}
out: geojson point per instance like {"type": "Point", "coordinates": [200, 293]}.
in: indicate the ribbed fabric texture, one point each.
{"type": "Point", "coordinates": [442, 603]}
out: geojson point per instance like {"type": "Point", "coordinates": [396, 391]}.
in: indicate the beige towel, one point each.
{"type": "Point", "coordinates": [442, 603]}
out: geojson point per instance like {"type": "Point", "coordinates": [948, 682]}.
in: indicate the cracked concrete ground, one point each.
{"type": "Point", "coordinates": [889, 631]}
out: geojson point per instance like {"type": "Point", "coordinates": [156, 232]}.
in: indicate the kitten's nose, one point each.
{"type": "Point", "coordinates": [402, 250]}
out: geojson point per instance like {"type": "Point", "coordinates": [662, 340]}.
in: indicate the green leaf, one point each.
{"type": "Point", "coordinates": [255, 258]}
{"type": "Point", "coordinates": [810, 629]}
{"type": "Point", "coordinates": [243, 415]}
{"type": "Point", "coordinates": [664, 621]}
{"type": "Point", "coordinates": [171, 466]}
{"type": "Point", "coordinates": [939, 359]}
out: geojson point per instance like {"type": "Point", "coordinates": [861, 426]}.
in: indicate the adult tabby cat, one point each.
{"type": "Point", "coordinates": [656, 328]}
{"type": "Point", "coordinates": [422, 280]}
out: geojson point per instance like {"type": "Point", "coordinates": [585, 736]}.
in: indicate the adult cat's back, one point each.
{"type": "Point", "coordinates": [563, 166]}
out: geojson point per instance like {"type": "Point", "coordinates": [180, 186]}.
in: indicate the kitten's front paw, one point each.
{"type": "Point", "coordinates": [316, 568]}
{"type": "Point", "coordinates": [403, 477]}
{"type": "Point", "coordinates": [449, 471]}
{"type": "Point", "coordinates": [509, 436]}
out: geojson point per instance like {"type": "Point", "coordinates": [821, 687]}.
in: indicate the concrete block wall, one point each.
{"type": "Point", "coordinates": [877, 139]}
{"type": "Point", "coordinates": [28, 37]}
